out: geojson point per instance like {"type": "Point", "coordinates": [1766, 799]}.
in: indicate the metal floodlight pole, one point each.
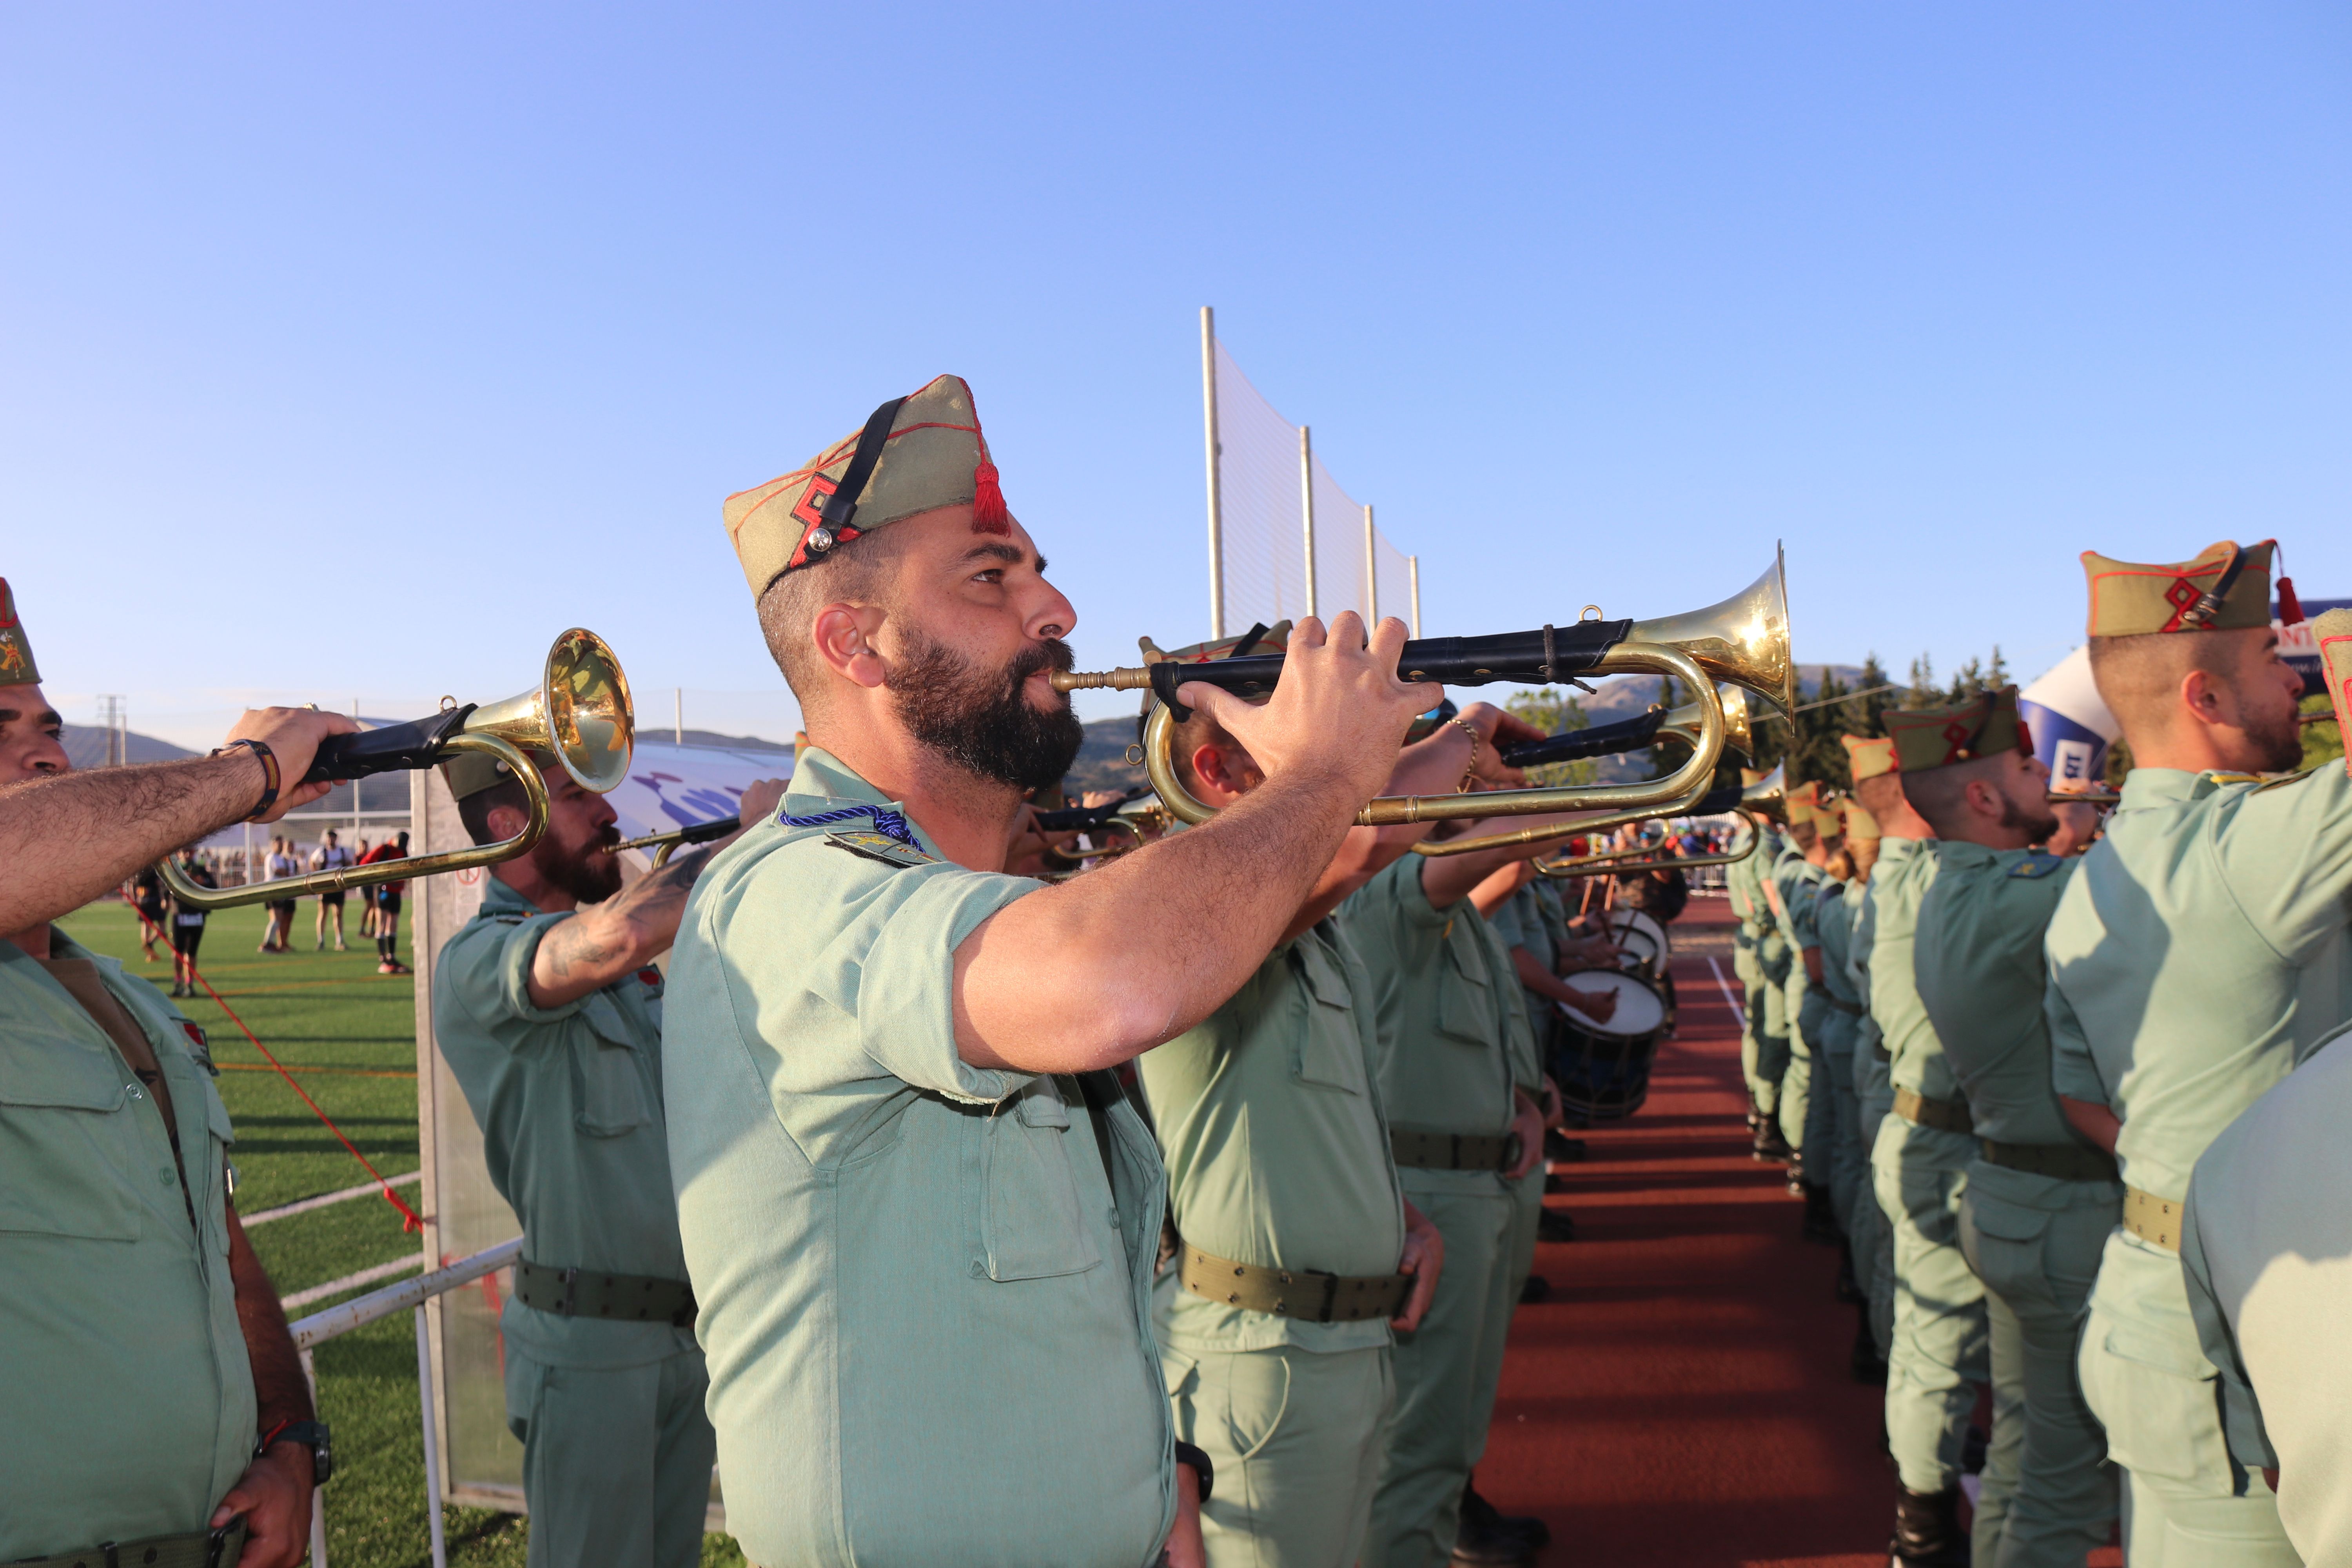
{"type": "Point", "coordinates": [1371, 574]}
{"type": "Point", "coordinates": [1216, 512]}
{"type": "Point", "coordinates": [1307, 506]}
{"type": "Point", "coordinates": [1413, 572]}
{"type": "Point", "coordinates": [678, 714]}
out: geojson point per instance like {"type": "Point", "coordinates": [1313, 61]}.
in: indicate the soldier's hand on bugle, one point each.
{"type": "Point", "coordinates": [1337, 712]}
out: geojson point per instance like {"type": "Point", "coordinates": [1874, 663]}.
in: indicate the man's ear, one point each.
{"type": "Point", "coordinates": [843, 637]}
{"type": "Point", "coordinates": [506, 821]}
{"type": "Point", "coordinates": [1209, 762]}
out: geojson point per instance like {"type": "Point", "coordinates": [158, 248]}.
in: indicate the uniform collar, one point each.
{"type": "Point", "coordinates": [498, 899]}
{"type": "Point", "coordinates": [1958, 854]}
{"type": "Point", "coordinates": [2159, 787]}
{"type": "Point", "coordinates": [820, 777]}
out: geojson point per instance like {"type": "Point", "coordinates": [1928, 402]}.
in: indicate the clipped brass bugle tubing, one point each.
{"type": "Point", "coordinates": [580, 711]}
{"type": "Point", "coordinates": [665, 845]}
{"type": "Point", "coordinates": [1766, 798]}
{"type": "Point", "coordinates": [2085, 798]}
{"type": "Point", "coordinates": [1744, 639]}
{"type": "Point", "coordinates": [1631, 734]}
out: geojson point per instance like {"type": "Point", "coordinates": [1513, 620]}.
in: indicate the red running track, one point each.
{"type": "Point", "coordinates": [1681, 1397]}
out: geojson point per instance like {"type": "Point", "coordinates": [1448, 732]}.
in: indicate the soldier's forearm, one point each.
{"type": "Point", "coordinates": [617, 937]}
{"type": "Point", "coordinates": [68, 839]}
{"type": "Point", "coordinates": [280, 1392]}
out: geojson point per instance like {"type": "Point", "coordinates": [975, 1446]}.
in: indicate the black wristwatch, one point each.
{"type": "Point", "coordinates": [1188, 1455]}
{"type": "Point", "coordinates": [311, 1434]}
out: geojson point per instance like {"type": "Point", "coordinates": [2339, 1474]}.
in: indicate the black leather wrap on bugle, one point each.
{"type": "Point", "coordinates": [1079, 818]}
{"type": "Point", "coordinates": [1596, 741]}
{"type": "Point", "coordinates": [396, 748]}
{"type": "Point", "coordinates": [1715, 803]}
{"type": "Point", "coordinates": [1530, 659]}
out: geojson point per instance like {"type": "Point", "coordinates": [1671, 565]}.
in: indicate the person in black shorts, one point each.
{"type": "Point", "coordinates": [385, 900]}
{"type": "Point", "coordinates": [331, 856]}
{"type": "Point", "coordinates": [277, 934]}
{"type": "Point", "coordinates": [188, 925]}
{"type": "Point", "coordinates": [146, 896]}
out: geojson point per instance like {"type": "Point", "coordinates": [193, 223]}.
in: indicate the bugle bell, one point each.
{"type": "Point", "coordinates": [1744, 640]}
{"type": "Point", "coordinates": [580, 711]}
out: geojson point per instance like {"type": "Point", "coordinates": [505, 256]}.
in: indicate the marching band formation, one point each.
{"type": "Point", "coordinates": [969, 1191]}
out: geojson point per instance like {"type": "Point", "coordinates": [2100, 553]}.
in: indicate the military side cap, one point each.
{"type": "Point", "coordinates": [1984, 726]}
{"type": "Point", "coordinates": [2225, 587]}
{"type": "Point", "coordinates": [1868, 756]}
{"type": "Point", "coordinates": [1803, 802]}
{"type": "Point", "coordinates": [2333, 632]}
{"type": "Point", "coordinates": [17, 666]}
{"type": "Point", "coordinates": [471, 773]}
{"type": "Point", "coordinates": [914, 454]}
{"type": "Point", "coordinates": [1858, 820]}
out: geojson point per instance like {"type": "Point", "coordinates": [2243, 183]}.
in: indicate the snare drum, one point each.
{"type": "Point", "coordinates": [1603, 1068]}
{"type": "Point", "coordinates": [1643, 940]}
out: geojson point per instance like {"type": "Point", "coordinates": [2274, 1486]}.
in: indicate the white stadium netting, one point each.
{"type": "Point", "coordinates": [1264, 478]}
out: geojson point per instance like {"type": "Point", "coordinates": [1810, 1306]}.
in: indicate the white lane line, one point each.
{"type": "Point", "coordinates": [1722, 984]}
{"type": "Point", "coordinates": [365, 1189]}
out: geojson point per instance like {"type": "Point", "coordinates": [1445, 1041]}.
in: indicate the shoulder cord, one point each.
{"type": "Point", "coordinates": [890, 824]}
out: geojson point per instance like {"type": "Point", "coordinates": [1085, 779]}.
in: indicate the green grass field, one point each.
{"type": "Point", "coordinates": [349, 1036]}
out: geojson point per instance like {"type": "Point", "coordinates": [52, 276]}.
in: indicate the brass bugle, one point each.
{"type": "Point", "coordinates": [1631, 734]}
{"type": "Point", "coordinates": [1766, 798]}
{"type": "Point", "coordinates": [665, 845]}
{"type": "Point", "coordinates": [1150, 815]}
{"type": "Point", "coordinates": [2324, 716]}
{"type": "Point", "coordinates": [1620, 861]}
{"type": "Point", "coordinates": [1744, 640]}
{"type": "Point", "coordinates": [2086, 797]}
{"type": "Point", "coordinates": [580, 711]}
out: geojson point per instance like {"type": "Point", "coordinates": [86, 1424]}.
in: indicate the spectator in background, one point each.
{"type": "Point", "coordinates": [188, 924]}
{"type": "Point", "coordinates": [332, 855]}
{"type": "Point", "coordinates": [384, 907]}
{"type": "Point", "coordinates": [360, 856]}
{"type": "Point", "coordinates": [278, 930]}
{"type": "Point", "coordinates": [144, 893]}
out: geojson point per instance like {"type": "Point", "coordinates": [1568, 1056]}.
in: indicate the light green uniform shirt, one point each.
{"type": "Point", "coordinates": [1979, 965]}
{"type": "Point", "coordinates": [1519, 922]}
{"type": "Point", "coordinates": [2266, 1246]}
{"type": "Point", "coordinates": [1835, 905]}
{"type": "Point", "coordinates": [1443, 1066]}
{"type": "Point", "coordinates": [2198, 954]}
{"type": "Point", "coordinates": [569, 1100]}
{"type": "Point", "coordinates": [1269, 1114]}
{"type": "Point", "coordinates": [126, 1397]}
{"type": "Point", "coordinates": [927, 1311]}
{"type": "Point", "coordinates": [1915, 1051]}
{"type": "Point", "coordinates": [1518, 1027]}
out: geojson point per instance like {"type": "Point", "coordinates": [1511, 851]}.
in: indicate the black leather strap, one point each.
{"type": "Point", "coordinates": [841, 505]}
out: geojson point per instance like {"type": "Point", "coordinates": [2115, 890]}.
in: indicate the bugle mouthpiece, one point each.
{"type": "Point", "coordinates": [1130, 679]}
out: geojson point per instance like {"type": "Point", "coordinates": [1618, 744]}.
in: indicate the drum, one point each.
{"type": "Point", "coordinates": [1603, 1068]}
{"type": "Point", "coordinates": [1643, 940]}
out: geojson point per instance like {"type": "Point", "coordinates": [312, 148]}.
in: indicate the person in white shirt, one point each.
{"type": "Point", "coordinates": [332, 855]}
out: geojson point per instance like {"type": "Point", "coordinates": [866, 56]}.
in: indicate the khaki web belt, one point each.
{"type": "Point", "coordinates": [586, 1293]}
{"type": "Point", "coordinates": [196, 1549]}
{"type": "Point", "coordinates": [2154, 1220]}
{"type": "Point", "coordinates": [1302, 1293]}
{"type": "Point", "coordinates": [1944, 1115]}
{"type": "Point", "coordinates": [1453, 1150]}
{"type": "Point", "coordinates": [2060, 1161]}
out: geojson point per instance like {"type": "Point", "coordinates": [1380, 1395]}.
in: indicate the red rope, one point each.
{"type": "Point", "coordinates": [410, 1222]}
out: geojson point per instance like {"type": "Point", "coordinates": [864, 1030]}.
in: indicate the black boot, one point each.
{"type": "Point", "coordinates": [1849, 1288]}
{"type": "Point", "coordinates": [1865, 1362]}
{"type": "Point", "coordinates": [1488, 1535]}
{"type": "Point", "coordinates": [1554, 1224]}
{"type": "Point", "coordinates": [1927, 1530]}
{"type": "Point", "coordinates": [1559, 1147]}
{"type": "Point", "coordinates": [1533, 1289]}
{"type": "Point", "coordinates": [1770, 1147]}
{"type": "Point", "coordinates": [1820, 1216]}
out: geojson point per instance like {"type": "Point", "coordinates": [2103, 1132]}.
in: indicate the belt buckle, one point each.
{"type": "Point", "coordinates": [566, 1299]}
{"type": "Point", "coordinates": [1512, 1150]}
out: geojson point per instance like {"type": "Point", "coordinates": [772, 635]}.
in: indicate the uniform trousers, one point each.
{"type": "Point", "coordinates": [2035, 1242]}
{"type": "Point", "coordinates": [1873, 1234]}
{"type": "Point", "coordinates": [1751, 1013]}
{"type": "Point", "coordinates": [1940, 1349]}
{"type": "Point", "coordinates": [2185, 1502]}
{"type": "Point", "coordinates": [1434, 1437]}
{"type": "Point", "coordinates": [1836, 1123]}
{"type": "Point", "coordinates": [1772, 1024]}
{"type": "Point", "coordinates": [1518, 1262]}
{"type": "Point", "coordinates": [1296, 1437]}
{"type": "Point", "coordinates": [616, 1461]}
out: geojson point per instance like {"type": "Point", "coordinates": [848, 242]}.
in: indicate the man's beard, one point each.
{"type": "Point", "coordinates": [2279, 743]}
{"type": "Point", "coordinates": [982, 720]}
{"type": "Point", "coordinates": [2038, 820]}
{"type": "Point", "coordinates": [590, 874]}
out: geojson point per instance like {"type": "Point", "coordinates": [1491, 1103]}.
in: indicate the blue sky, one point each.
{"type": "Point", "coordinates": [356, 352]}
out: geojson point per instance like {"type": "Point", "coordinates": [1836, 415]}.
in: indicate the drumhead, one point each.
{"type": "Point", "coordinates": [1641, 1011]}
{"type": "Point", "coordinates": [1634, 928]}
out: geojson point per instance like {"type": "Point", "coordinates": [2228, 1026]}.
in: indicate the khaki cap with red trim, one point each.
{"type": "Point", "coordinates": [1984, 726]}
{"type": "Point", "coordinates": [17, 666]}
{"type": "Point", "coordinates": [1859, 823]}
{"type": "Point", "coordinates": [1868, 756]}
{"type": "Point", "coordinates": [2128, 599]}
{"type": "Point", "coordinates": [933, 457]}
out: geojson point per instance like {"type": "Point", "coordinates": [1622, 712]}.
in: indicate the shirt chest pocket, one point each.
{"type": "Point", "coordinates": [1328, 1050]}
{"type": "Point", "coordinates": [70, 1145]}
{"type": "Point", "coordinates": [1466, 1004]}
{"type": "Point", "coordinates": [1032, 1225]}
{"type": "Point", "coordinates": [608, 1087]}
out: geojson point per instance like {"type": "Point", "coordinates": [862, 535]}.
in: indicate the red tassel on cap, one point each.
{"type": "Point", "coordinates": [988, 514]}
{"type": "Point", "coordinates": [2290, 607]}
